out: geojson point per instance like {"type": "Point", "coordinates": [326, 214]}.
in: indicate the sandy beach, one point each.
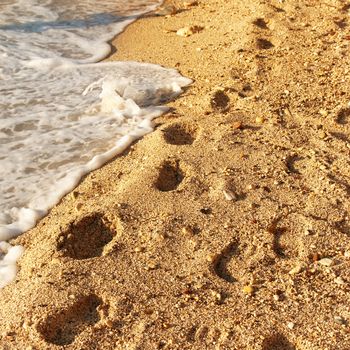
{"type": "Point", "coordinates": [228, 226]}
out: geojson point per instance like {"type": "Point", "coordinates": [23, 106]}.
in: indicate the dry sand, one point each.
{"type": "Point", "coordinates": [226, 228]}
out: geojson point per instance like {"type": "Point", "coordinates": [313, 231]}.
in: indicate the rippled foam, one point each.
{"type": "Point", "coordinates": [62, 114]}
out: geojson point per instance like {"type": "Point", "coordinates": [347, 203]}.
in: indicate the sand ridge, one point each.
{"type": "Point", "coordinates": [227, 227]}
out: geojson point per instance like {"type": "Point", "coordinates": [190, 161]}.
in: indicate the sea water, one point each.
{"type": "Point", "coordinates": [63, 114]}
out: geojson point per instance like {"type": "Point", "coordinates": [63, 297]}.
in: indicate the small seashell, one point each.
{"type": "Point", "coordinates": [259, 120]}
{"type": "Point", "coordinates": [322, 134]}
{"type": "Point", "coordinates": [211, 258]}
{"type": "Point", "coordinates": [323, 112]}
{"type": "Point", "coordinates": [152, 265]}
{"type": "Point", "coordinates": [55, 261]}
{"type": "Point", "coordinates": [188, 31]}
{"type": "Point", "coordinates": [339, 280]}
{"type": "Point", "coordinates": [26, 326]}
{"type": "Point", "coordinates": [297, 269]}
{"type": "Point", "coordinates": [229, 195]}
{"type": "Point", "coordinates": [187, 4]}
{"type": "Point", "coordinates": [326, 262]}
{"type": "Point", "coordinates": [188, 231]}
{"type": "Point", "coordinates": [249, 289]}
{"type": "Point", "coordinates": [308, 232]}
{"type": "Point", "coordinates": [339, 320]}
{"type": "Point", "coordinates": [237, 125]}
{"type": "Point", "coordinates": [276, 297]}
{"type": "Point", "coordinates": [290, 325]}
{"type": "Point", "coordinates": [216, 295]}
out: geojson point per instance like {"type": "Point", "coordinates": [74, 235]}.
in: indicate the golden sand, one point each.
{"type": "Point", "coordinates": [227, 227]}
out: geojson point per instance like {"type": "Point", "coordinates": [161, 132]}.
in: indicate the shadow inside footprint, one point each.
{"type": "Point", "coordinates": [261, 23]}
{"type": "Point", "coordinates": [343, 116]}
{"type": "Point", "coordinates": [342, 24]}
{"type": "Point", "coordinates": [277, 342]}
{"type": "Point", "coordinates": [220, 102]}
{"type": "Point", "coordinates": [264, 44]}
{"type": "Point", "coordinates": [345, 8]}
{"type": "Point", "coordinates": [340, 136]}
{"type": "Point", "coordinates": [178, 134]}
{"type": "Point", "coordinates": [87, 238]}
{"type": "Point", "coordinates": [291, 164]}
{"type": "Point", "coordinates": [62, 327]}
{"type": "Point", "coordinates": [220, 264]}
{"type": "Point", "coordinates": [170, 176]}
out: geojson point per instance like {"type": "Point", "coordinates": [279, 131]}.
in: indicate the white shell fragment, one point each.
{"type": "Point", "coordinates": [188, 31]}
{"type": "Point", "coordinates": [326, 262]}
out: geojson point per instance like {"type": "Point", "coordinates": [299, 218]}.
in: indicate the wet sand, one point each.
{"type": "Point", "coordinates": [227, 227]}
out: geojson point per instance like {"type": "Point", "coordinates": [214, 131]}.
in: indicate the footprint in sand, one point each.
{"type": "Point", "coordinates": [292, 164]}
{"type": "Point", "coordinates": [237, 260]}
{"type": "Point", "coordinates": [285, 242]}
{"type": "Point", "coordinates": [204, 335]}
{"type": "Point", "coordinates": [87, 238]}
{"type": "Point", "coordinates": [264, 44]}
{"type": "Point", "coordinates": [261, 23]}
{"type": "Point", "coordinates": [179, 134]}
{"type": "Point", "coordinates": [220, 102]}
{"type": "Point", "coordinates": [288, 236]}
{"type": "Point", "coordinates": [220, 265]}
{"type": "Point", "coordinates": [343, 116]}
{"type": "Point", "coordinates": [62, 326]}
{"type": "Point", "coordinates": [170, 176]}
{"type": "Point", "coordinates": [277, 342]}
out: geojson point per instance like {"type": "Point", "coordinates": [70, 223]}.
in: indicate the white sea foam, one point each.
{"type": "Point", "coordinates": [9, 255]}
{"type": "Point", "coordinates": [62, 114]}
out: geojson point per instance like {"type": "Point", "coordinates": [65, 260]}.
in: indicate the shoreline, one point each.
{"type": "Point", "coordinates": [226, 227]}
